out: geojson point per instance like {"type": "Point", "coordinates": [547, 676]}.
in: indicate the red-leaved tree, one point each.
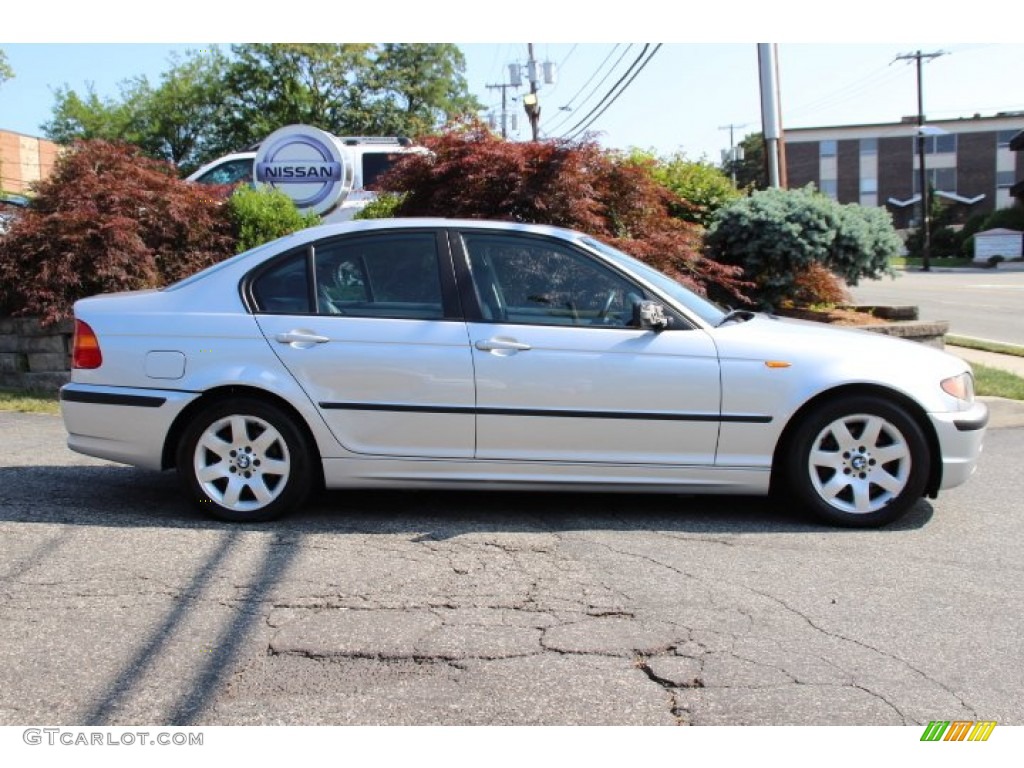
{"type": "Point", "coordinates": [108, 219]}
{"type": "Point", "coordinates": [472, 173]}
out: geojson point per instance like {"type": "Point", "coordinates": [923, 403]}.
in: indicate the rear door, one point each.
{"type": "Point", "coordinates": [370, 327]}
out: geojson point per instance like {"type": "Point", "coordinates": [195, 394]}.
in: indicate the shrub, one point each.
{"type": "Point", "coordinates": [1006, 218]}
{"type": "Point", "coordinates": [265, 214]}
{"type": "Point", "coordinates": [383, 207]}
{"type": "Point", "coordinates": [777, 235]}
{"type": "Point", "coordinates": [817, 285]}
{"type": "Point", "coordinates": [700, 188]}
{"type": "Point", "coordinates": [108, 219]}
{"type": "Point", "coordinates": [472, 173]}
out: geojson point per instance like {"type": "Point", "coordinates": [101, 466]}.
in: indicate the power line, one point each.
{"type": "Point", "coordinates": [607, 95]}
{"type": "Point", "coordinates": [597, 71]}
{"type": "Point", "coordinates": [873, 79]}
{"type": "Point", "coordinates": [609, 101]}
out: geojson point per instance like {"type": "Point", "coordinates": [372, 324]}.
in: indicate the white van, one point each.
{"type": "Point", "coordinates": [334, 176]}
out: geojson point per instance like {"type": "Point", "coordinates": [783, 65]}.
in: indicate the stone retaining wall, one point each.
{"type": "Point", "coordinates": [33, 357]}
{"type": "Point", "coordinates": [932, 333]}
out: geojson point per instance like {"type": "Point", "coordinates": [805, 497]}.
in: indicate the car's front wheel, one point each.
{"type": "Point", "coordinates": [862, 461]}
{"type": "Point", "coordinates": [244, 460]}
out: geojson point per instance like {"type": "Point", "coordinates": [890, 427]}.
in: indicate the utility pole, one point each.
{"type": "Point", "coordinates": [533, 73]}
{"type": "Point", "coordinates": [926, 224]}
{"type": "Point", "coordinates": [504, 108]}
{"type": "Point", "coordinates": [530, 101]}
{"type": "Point", "coordinates": [770, 114]}
{"type": "Point", "coordinates": [735, 153]}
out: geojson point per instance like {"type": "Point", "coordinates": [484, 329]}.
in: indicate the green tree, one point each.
{"type": "Point", "coordinates": [87, 117]}
{"type": "Point", "coordinates": [171, 120]}
{"type": "Point", "coordinates": [6, 71]}
{"type": "Point", "coordinates": [174, 118]}
{"type": "Point", "coordinates": [778, 235]}
{"type": "Point", "coordinates": [345, 89]}
{"type": "Point", "coordinates": [750, 171]}
{"type": "Point", "coordinates": [414, 88]}
{"type": "Point", "coordinates": [700, 188]}
{"type": "Point", "coordinates": [270, 85]}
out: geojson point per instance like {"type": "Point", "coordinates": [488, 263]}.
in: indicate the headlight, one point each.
{"type": "Point", "coordinates": [961, 387]}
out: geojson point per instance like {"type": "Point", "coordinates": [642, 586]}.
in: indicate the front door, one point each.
{"type": "Point", "coordinates": [562, 376]}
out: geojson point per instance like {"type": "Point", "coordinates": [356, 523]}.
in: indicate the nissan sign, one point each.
{"type": "Point", "coordinates": [306, 164]}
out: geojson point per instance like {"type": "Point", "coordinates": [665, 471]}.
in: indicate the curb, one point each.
{"type": "Point", "coordinates": [1003, 413]}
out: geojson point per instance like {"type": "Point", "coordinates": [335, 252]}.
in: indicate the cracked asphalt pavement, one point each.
{"type": "Point", "coordinates": [121, 605]}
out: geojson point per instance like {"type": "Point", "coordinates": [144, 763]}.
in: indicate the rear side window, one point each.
{"type": "Point", "coordinates": [393, 275]}
{"type": "Point", "coordinates": [283, 289]}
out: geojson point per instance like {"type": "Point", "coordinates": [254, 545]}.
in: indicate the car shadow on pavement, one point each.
{"type": "Point", "coordinates": [130, 497]}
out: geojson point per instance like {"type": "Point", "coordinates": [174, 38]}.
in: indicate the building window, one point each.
{"type": "Point", "coordinates": [1005, 179]}
{"type": "Point", "coordinates": [830, 187]}
{"type": "Point", "coordinates": [827, 148]}
{"type": "Point", "coordinates": [940, 145]}
{"type": "Point", "coordinates": [868, 186]}
{"type": "Point", "coordinates": [939, 179]}
{"type": "Point", "coordinates": [1003, 138]}
{"type": "Point", "coordinates": [869, 146]}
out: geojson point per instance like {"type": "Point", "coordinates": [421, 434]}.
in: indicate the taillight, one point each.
{"type": "Point", "coordinates": [86, 350]}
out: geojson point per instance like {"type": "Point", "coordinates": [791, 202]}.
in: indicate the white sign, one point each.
{"type": "Point", "coordinates": [998, 242]}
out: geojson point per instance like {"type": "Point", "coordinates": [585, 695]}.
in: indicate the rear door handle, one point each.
{"type": "Point", "coordinates": [301, 339]}
{"type": "Point", "coordinates": [501, 345]}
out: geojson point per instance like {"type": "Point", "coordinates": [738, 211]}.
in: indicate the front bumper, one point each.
{"type": "Point", "coordinates": [961, 436]}
{"type": "Point", "coordinates": [124, 424]}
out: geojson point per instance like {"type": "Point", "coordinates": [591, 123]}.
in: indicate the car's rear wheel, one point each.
{"type": "Point", "coordinates": [862, 462]}
{"type": "Point", "coordinates": [244, 460]}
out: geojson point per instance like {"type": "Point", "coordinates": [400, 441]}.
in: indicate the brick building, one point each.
{"type": "Point", "coordinates": [969, 163]}
{"type": "Point", "coordinates": [23, 160]}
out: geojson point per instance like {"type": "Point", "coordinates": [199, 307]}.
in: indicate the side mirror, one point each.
{"type": "Point", "coordinates": [650, 316]}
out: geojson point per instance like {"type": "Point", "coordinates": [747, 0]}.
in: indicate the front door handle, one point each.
{"type": "Point", "coordinates": [301, 339]}
{"type": "Point", "coordinates": [501, 345]}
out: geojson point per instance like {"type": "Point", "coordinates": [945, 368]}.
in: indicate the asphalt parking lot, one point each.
{"type": "Point", "coordinates": [121, 605]}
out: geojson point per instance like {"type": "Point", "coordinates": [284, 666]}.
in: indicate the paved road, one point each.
{"type": "Point", "coordinates": [120, 605]}
{"type": "Point", "coordinates": [985, 303]}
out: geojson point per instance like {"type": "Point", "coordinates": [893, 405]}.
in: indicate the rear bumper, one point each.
{"type": "Point", "coordinates": [961, 437]}
{"type": "Point", "coordinates": [122, 424]}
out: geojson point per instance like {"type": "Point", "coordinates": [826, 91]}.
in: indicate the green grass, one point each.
{"type": "Point", "coordinates": [941, 261]}
{"type": "Point", "coordinates": [986, 346]}
{"type": "Point", "coordinates": [28, 402]}
{"type": "Point", "coordinates": [996, 383]}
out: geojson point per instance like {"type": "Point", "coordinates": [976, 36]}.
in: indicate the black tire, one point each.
{"type": "Point", "coordinates": [245, 460]}
{"type": "Point", "coordinates": [858, 462]}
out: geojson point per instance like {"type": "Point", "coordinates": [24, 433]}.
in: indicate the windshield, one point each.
{"type": "Point", "coordinates": [703, 308]}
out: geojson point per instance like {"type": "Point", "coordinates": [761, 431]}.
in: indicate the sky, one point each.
{"type": "Point", "coordinates": [684, 98]}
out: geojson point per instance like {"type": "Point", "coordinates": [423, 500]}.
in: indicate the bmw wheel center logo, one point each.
{"type": "Point", "coordinates": [306, 164]}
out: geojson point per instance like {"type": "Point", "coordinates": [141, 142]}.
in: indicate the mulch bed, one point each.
{"type": "Point", "coordinates": [832, 316]}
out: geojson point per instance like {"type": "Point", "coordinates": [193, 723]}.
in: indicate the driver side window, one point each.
{"type": "Point", "coordinates": [542, 282]}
